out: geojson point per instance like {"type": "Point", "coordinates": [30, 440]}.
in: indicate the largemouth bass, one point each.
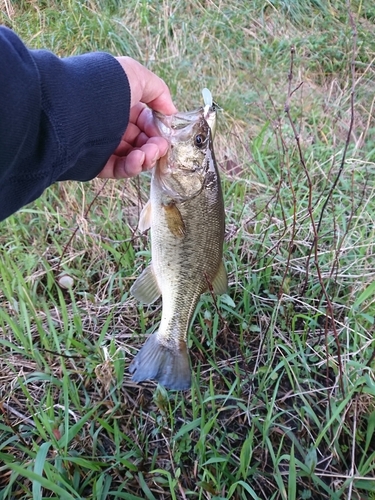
{"type": "Point", "coordinates": [186, 216]}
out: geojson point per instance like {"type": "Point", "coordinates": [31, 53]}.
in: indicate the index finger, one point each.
{"type": "Point", "coordinates": [143, 118]}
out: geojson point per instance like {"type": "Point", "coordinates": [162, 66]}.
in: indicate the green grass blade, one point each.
{"type": "Point", "coordinates": [39, 468]}
{"type": "Point", "coordinates": [44, 482]}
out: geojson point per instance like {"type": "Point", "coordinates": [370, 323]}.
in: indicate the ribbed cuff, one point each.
{"type": "Point", "coordinates": [87, 101]}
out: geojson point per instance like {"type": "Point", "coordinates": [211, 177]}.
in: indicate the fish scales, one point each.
{"type": "Point", "coordinates": [186, 266]}
{"type": "Point", "coordinates": [186, 217]}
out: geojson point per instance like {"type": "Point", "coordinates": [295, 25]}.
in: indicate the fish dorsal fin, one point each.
{"type": "Point", "coordinates": [145, 288]}
{"type": "Point", "coordinates": [145, 217]}
{"type": "Point", "coordinates": [175, 223]}
{"type": "Point", "coordinates": [220, 282]}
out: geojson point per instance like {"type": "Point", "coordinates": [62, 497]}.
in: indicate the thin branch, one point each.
{"type": "Point", "coordinates": [351, 123]}
{"type": "Point", "coordinates": [353, 454]}
{"type": "Point", "coordinates": [329, 306]}
{"type": "Point", "coordinates": [347, 142]}
{"type": "Point", "coordinates": [76, 229]}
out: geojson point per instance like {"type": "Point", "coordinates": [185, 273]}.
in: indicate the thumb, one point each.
{"type": "Point", "coordinates": [147, 87]}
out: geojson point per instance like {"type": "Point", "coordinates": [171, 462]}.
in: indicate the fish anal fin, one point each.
{"type": "Point", "coordinates": [169, 367]}
{"type": "Point", "coordinates": [174, 220]}
{"type": "Point", "coordinates": [220, 282]}
{"type": "Point", "coordinates": [145, 288]}
{"type": "Point", "coordinates": [145, 218]}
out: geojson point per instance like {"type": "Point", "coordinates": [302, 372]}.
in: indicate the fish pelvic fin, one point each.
{"type": "Point", "coordinates": [146, 288]}
{"type": "Point", "coordinates": [220, 282]}
{"type": "Point", "coordinates": [169, 367]}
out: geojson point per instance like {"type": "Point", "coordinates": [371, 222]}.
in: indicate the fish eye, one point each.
{"type": "Point", "coordinates": [199, 140]}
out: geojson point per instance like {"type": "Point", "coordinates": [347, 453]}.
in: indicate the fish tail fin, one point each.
{"type": "Point", "coordinates": [169, 367]}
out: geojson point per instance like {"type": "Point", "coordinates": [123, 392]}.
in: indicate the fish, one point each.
{"type": "Point", "coordinates": [186, 218]}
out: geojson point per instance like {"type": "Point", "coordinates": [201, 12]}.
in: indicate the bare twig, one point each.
{"type": "Point", "coordinates": [351, 123]}
{"type": "Point", "coordinates": [76, 229]}
{"type": "Point", "coordinates": [18, 414]}
{"type": "Point", "coordinates": [353, 467]}
{"type": "Point", "coordinates": [314, 247]}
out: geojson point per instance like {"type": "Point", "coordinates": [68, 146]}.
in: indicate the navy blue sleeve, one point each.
{"type": "Point", "coordinates": [59, 118]}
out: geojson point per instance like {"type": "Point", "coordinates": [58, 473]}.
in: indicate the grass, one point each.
{"type": "Point", "coordinates": [282, 401]}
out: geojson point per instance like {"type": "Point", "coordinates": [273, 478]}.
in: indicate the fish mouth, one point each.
{"type": "Point", "coordinates": [178, 126]}
{"type": "Point", "coordinates": [178, 120]}
{"type": "Point", "coordinates": [178, 181]}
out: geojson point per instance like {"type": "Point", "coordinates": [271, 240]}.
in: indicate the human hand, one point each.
{"type": "Point", "coordinates": [141, 145]}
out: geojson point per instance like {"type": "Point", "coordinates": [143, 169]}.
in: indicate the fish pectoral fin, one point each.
{"type": "Point", "coordinates": [220, 282]}
{"type": "Point", "coordinates": [145, 218]}
{"type": "Point", "coordinates": [168, 366]}
{"type": "Point", "coordinates": [146, 288]}
{"type": "Point", "coordinates": [175, 223]}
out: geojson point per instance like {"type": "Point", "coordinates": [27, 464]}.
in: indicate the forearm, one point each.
{"type": "Point", "coordinates": [59, 118]}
